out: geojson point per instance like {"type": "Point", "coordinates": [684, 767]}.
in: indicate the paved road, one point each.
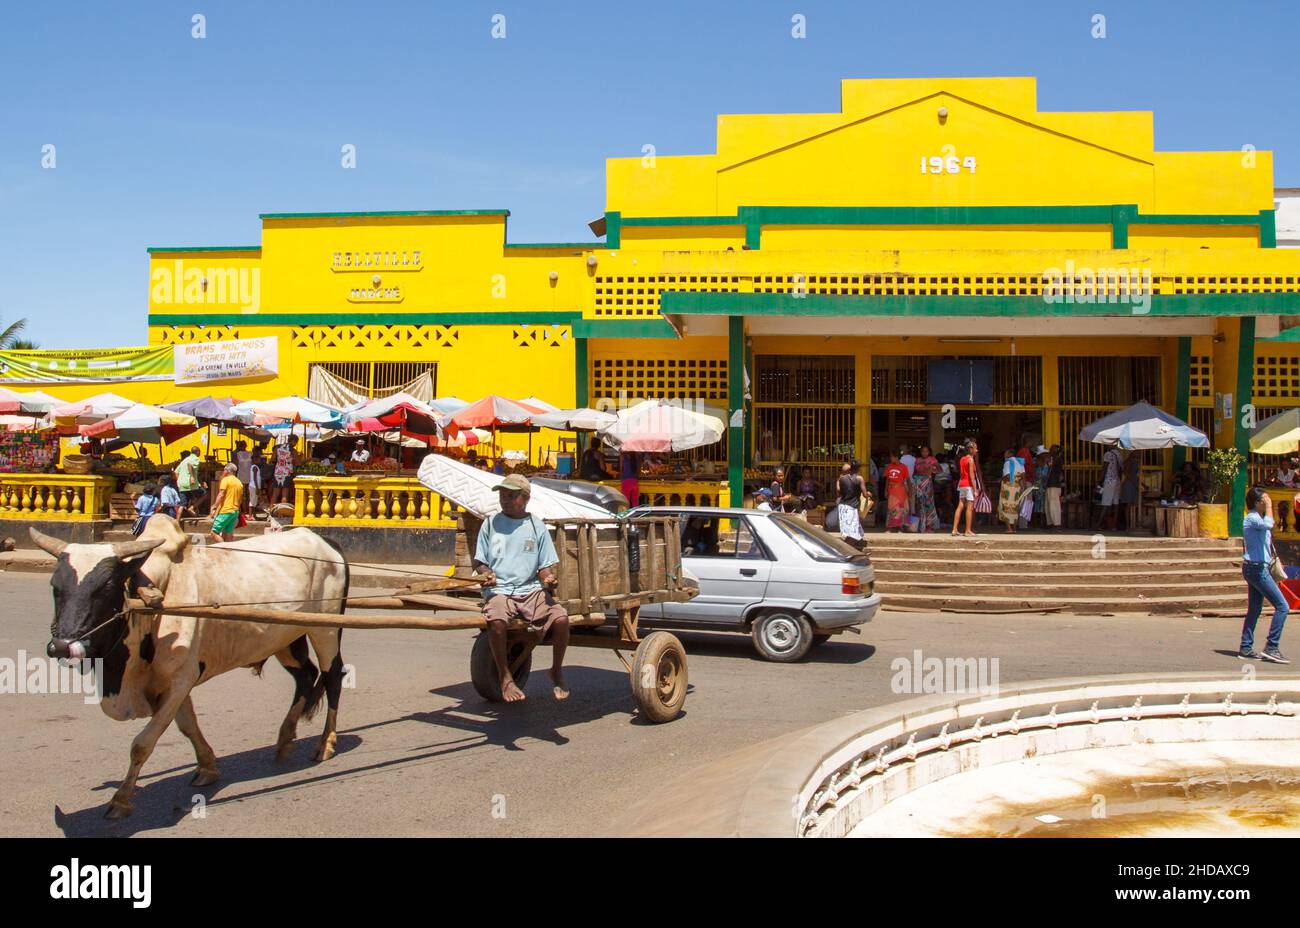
{"type": "Point", "coordinates": [421, 754]}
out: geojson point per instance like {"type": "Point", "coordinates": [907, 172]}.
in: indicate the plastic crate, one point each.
{"type": "Point", "coordinates": [1291, 592]}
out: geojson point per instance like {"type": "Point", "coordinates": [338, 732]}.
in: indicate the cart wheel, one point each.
{"type": "Point", "coordinates": [659, 677]}
{"type": "Point", "coordinates": [483, 669]}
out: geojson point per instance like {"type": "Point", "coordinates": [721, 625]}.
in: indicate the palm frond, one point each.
{"type": "Point", "coordinates": [11, 332]}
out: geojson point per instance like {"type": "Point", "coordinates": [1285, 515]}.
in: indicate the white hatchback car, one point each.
{"type": "Point", "coordinates": [789, 584]}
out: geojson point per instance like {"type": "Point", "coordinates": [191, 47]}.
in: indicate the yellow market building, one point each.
{"type": "Point", "coordinates": [937, 259]}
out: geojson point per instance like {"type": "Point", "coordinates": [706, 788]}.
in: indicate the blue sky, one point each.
{"type": "Point", "coordinates": [162, 139]}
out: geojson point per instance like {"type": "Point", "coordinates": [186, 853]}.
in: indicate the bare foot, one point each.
{"type": "Point", "coordinates": [510, 692]}
{"type": "Point", "coordinates": [557, 677]}
{"type": "Point", "coordinates": [971, 534]}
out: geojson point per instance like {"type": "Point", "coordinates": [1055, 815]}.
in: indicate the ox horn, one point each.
{"type": "Point", "coordinates": [48, 543]}
{"type": "Point", "coordinates": [128, 549]}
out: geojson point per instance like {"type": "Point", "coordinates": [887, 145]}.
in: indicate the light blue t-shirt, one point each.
{"type": "Point", "coordinates": [1257, 529]}
{"type": "Point", "coordinates": [515, 550]}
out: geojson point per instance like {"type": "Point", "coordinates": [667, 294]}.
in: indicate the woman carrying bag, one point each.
{"type": "Point", "coordinates": [1258, 567]}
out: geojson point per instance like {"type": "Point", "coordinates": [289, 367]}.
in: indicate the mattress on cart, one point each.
{"type": "Point", "coordinates": [472, 489]}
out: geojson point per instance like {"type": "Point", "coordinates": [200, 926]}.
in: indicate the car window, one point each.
{"type": "Point", "coordinates": [711, 536]}
{"type": "Point", "coordinates": [737, 539]}
{"type": "Point", "coordinates": [817, 544]}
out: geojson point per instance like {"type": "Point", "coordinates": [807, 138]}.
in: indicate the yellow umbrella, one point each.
{"type": "Point", "coordinates": [1278, 434]}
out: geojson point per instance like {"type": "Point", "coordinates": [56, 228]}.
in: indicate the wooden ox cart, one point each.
{"type": "Point", "coordinates": [608, 569]}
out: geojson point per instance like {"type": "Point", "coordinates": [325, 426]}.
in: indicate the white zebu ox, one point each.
{"type": "Point", "coordinates": [152, 662]}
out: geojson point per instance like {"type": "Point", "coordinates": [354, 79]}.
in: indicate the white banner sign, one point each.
{"type": "Point", "coordinates": [197, 362]}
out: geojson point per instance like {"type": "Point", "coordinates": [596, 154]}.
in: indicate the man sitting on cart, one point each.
{"type": "Point", "coordinates": [515, 558]}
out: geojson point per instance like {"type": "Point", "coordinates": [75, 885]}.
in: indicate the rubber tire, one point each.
{"type": "Point", "coordinates": [661, 701]}
{"type": "Point", "coordinates": [819, 640]}
{"type": "Point", "coordinates": [794, 623]}
{"type": "Point", "coordinates": [483, 669]}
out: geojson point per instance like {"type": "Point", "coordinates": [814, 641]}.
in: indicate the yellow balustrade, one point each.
{"type": "Point", "coordinates": [362, 500]}
{"type": "Point", "coordinates": [678, 492]}
{"type": "Point", "coordinates": [57, 497]}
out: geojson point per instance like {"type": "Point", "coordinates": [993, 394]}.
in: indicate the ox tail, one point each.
{"type": "Point", "coordinates": [347, 572]}
{"type": "Point", "coordinates": [318, 689]}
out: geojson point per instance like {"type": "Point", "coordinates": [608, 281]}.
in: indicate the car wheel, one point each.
{"type": "Point", "coordinates": [819, 640]}
{"type": "Point", "coordinates": [782, 636]}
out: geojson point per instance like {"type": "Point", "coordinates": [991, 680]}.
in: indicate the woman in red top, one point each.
{"type": "Point", "coordinates": [896, 495]}
{"type": "Point", "coordinates": [968, 487]}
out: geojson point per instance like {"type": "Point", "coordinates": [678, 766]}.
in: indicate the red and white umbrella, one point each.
{"type": "Point", "coordinates": [143, 423]}
{"type": "Point", "coordinates": [657, 426]}
{"type": "Point", "coordinates": [399, 411]}
{"type": "Point", "coordinates": [70, 416]}
{"type": "Point", "coordinates": [26, 402]}
{"type": "Point", "coordinates": [493, 412]}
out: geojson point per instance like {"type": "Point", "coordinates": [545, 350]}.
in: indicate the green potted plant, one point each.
{"type": "Point", "coordinates": [1224, 465]}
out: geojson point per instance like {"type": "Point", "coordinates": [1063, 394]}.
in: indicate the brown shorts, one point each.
{"type": "Point", "coordinates": [538, 609]}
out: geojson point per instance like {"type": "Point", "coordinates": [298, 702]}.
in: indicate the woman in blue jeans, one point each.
{"type": "Point", "coordinates": [1258, 532]}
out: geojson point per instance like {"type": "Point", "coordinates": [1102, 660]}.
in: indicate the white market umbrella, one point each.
{"type": "Point", "coordinates": [584, 419]}
{"type": "Point", "coordinates": [448, 404]}
{"type": "Point", "coordinates": [1143, 427]}
{"type": "Point", "coordinates": [143, 423]}
{"type": "Point", "coordinates": [70, 416]}
{"type": "Point", "coordinates": [658, 425]}
{"type": "Point", "coordinates": [539, 404]}
{"type": "Point", "coordinates": [27, 402]}
{"type": "Point", "coordinates": [293, 409]}
{"type": "Point", "coordinates": [1278, 434]}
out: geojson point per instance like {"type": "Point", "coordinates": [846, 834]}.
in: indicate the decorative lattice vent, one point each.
{"type": "Point", "coordinates": [374, 336]}
{"type": "Point", "coordinates": [664, 378]}
{"type": "Point", "coordinates": [181, 334]}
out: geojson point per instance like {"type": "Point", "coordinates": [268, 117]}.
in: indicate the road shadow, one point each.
{"type": "Point", "coordinates": [164, 798]}
{"type": "Point", "coordinates": [843, 649]}
{"type": "Point", "coordinates": [593, 694]}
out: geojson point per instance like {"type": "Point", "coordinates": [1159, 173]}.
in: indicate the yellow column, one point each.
{"type": "Point", "coordinates": [862, 399]}
{"type": "Point", "coordinates": [1051, 399]}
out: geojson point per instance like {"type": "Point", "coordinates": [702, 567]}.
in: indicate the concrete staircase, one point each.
{"type": "Point", "coordinates": [1071, 573]}
{"type": "Point", "coordinates": [121, 531]}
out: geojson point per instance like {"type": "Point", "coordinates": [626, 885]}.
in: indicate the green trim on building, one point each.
{"type": "Point", "coordinates": [814, 304]}
{"type": "Point", "coordinates": [397, 212]}
{"type": "Point", "coordinates": [613, 229]}
{"type": "Point", "coordinates": [632, 328]}
{"type": "Point", "coordinates": [564, 246]}
{"type": "Point", "coordinates": [736, 403]}
{"type": "Point", "coordinates": [925, 215]}
{"type": "Point", "coordinates": [1195, 219]}
{"type": "Point", "coordinates": [581, 375]}
{"type": "Point", "coordinates": [1287, 335]}
{"type": "Point", "coordinates": [1118, 216]}
{"type": "Point", "coordinates": [683, 221]}
{"type": "Point", "coordinates": [1183, 394]}
{"type": "Point", "coordinates": [158, 249]}
{"type": "Point", "coordinates": [349, 318]}
{"type": "Point", "coordinates": [1241, 436]}
{"type": "Point", "coordinates": [1267, 228]}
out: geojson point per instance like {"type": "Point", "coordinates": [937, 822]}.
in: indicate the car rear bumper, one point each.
{"type": "Point", "coordinates": [839, 613]}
